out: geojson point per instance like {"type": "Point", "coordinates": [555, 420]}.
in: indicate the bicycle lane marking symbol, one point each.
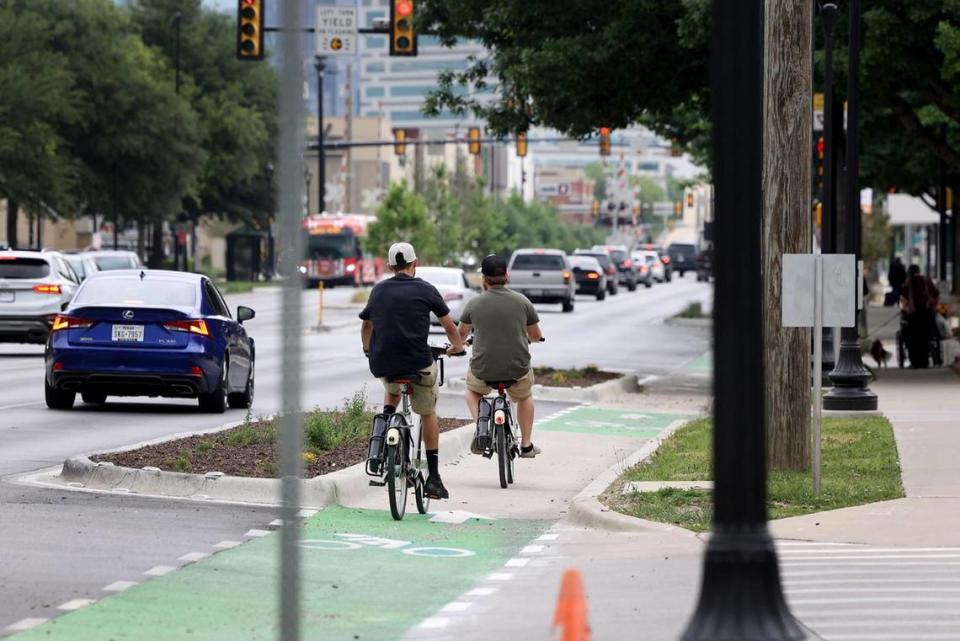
{"type": "Point", "coordinates": [355, 541]}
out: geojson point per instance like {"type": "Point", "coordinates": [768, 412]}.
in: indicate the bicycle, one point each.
{"type": "Point", "coordinates": [396, 459]}
{"type": "Point", "coordinates": [504, 437]}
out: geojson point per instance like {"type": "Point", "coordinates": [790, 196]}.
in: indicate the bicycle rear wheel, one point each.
{"type": "Point", "coordinates": [503, 456]}
{"type": "Point", "coordinates": [423, 501]}
{"type": "Point", "coordinates": [396, 481]}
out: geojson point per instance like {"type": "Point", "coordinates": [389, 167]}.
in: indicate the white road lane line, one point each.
{"type": "Point", "coordinates": [548, 537]}
{"type": "Point", "coordinates": [226, 545]}
{"type": "Point", "coordinates": [821, 589]}
{"type": "Point", "coordinates": [913, 636]}
{"type": "Point", "coordinates": [456, 606]}
{"type": "Point", "coordinates": [801, 603]}
{"type": "Point", "coordinates": [532, 549]}
{"type": "Point", "coordinates": [482, 591]}
{"type": "Point", "coordinates": [860, 581]}
{"type": "Point", "coordinates": [17, 406]}
{"type": "Point", "coordinates": [855, 571]}
{"type": "Point", "coordinates": [75, 604]}
{"type": "Point", "coordinates": [25, 624]}
{"type": "Point", "coordinates": [434, 623]}
{"type": "Point", "coordinates": [119, 586]}
{"type": "Point", "coordinates": [833, 563]}
{"type": "Point", "coordinates": [517, 563]}
{"type": "Point", "coordinates": [869, 550]}
{"type": "Point", "coordinates": [193, 557]}
{"type": "Point", "coordinates": [500, 576]}
{"type": "Point", "coordinates": [276, 523]}
{"type": "Point", "coordinates": [257, 533]}
{"type": "Point", "coordinates": [160, 570]}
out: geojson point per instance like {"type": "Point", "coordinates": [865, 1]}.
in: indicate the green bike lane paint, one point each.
{"type": "Point", "coordinates": [608, 422]}
{"type": "Point", "coordinates": [365, 576]}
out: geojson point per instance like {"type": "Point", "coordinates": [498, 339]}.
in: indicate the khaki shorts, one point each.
{"type": "Point", "coordinates": [521, 390]}
{"type": "Point", "coordinates": [425, 391]}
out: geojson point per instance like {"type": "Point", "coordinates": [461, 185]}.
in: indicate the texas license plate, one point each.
{"type": "Point", "coordinates": [128, 333]}
{"type": "Point", "coordinates": [6, 295]}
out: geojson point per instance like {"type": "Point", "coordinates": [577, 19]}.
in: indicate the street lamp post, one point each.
{"type": "Point", "coordinates": [849, 377]}
{"type": "Point", "coordinates": [740, 595]}
{"type": "Point", "coordinates": [828, 197]}
{"type": "Point", "coordinates": [320, 65]}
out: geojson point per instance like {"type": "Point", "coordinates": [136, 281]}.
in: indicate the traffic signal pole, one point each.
{"type": "Point", "coordinates": [320, 65]}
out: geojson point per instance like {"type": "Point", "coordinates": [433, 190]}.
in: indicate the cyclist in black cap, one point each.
{"type": "Point", "coordinates": [504, 324]}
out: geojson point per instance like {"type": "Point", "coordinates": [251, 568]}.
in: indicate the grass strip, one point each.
{"type": "Point", "coordinates": [860, 465]}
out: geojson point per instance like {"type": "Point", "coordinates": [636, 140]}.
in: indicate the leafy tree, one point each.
{"type": "Point", "coordinates": [596, 172]}
{"type": "Point", "coordinates": [402, 217]}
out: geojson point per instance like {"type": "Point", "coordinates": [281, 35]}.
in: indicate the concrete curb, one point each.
{"type": "Point", "coordinates": [677, 321]}
{"type": "Point", "coordinates": [586, 508]}
{"type": "Point", "coordinates": [627, 384]}
{"type": "Point", "coordinates": [337, 487]}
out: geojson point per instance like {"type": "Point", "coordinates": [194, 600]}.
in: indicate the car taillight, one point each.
{"type": "Point", "coordinates": [453, 296]}
{"type": "Point", "coordinates": [193, 326]}
{"type": "Point", "coordinates": [47, 289]}
{"type": "Point", "coordinates": [593, 276]}
{"type": "Point", "coordinates": [61, 321]}
{"type": "Point", "coordinates": [196, 371]}
{"type": "Point", "coordinates": [644, 269]}
{"type": "Point", "coordinates": [628, 263]}
{"type": "Point", "coordinates": [566, 277]}
{"type": "Point", "coordinates": [665, 259]}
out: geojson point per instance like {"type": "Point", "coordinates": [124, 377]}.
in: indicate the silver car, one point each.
{"type": "Point", "coordinates": [34, 287]}
{"type": "Point", "coordinates": [82, 264]}
{"type": "Point", "coordinates": [452, 284]}
{"type": "Point", "coordinates": [109, 259]}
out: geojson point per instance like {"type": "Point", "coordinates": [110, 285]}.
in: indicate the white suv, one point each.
{"type": "Point", "coordinates": [34, 286]}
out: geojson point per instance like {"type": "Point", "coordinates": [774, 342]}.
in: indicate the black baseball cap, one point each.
{"type": "Point", "coordinates": [493, 266]}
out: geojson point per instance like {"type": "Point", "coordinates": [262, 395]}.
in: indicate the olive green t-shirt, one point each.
{"type": "Point", "coordinates": [501, 350]}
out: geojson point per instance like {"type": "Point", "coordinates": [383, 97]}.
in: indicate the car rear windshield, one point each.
{"type": "Point", "coordinates": [584, 262]}
{"type": "Point", "coordinates": [439, 277]}
{"type": "Point", "coordinates": [107, 263]}
{"type": "Point", "coordinates": [603, 259]}
{"type": "Point", "coordinates": [546, 262]}
{"type": "Point", "coordinates": [23, 268]}
{"type": "Point", "coordinates": [618, 255]}
{"type": "Point", "coordinates": [109, 292]}
{"type": "Point", "coordinates": [686, 250]}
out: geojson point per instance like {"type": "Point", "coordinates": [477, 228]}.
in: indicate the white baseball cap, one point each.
{"type": "Point", "coordinates": [401, 255]}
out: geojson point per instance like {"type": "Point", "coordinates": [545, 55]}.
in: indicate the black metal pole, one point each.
{"type": "Point", "coordinates": [942, 206]}
{"type": "Point", "coordinates": [850, 391]}
{"type": "Point", "coordinates": [740, 596]}
{"type": "Point", "coordinates": [320, 64]}
{"type": "Point", "coordinates": [828, 15]}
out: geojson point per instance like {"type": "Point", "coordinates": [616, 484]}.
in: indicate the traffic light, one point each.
{"type": "Point", "coordinates": [473, 141]}
{"type": "Point", "coordinates": [690, 199]}
{"type": "Point", "coordinates": [604, 141]}
{"type": "Point", "coordinates": [522, 144]}
{"type": "Point", "coordinates": [400, 142]}
{"type": "Point", "coordinates": [678, 209]}
{"type": "Point", "coordinates": [595, 209]}
{"type": "Point", "coordinates": [403, 35]}
{"type": "Point", "coordinates": [250, 30]}
{"type": "Point", "coordinates": [819, 213]}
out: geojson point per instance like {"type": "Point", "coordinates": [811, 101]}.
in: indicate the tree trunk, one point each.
{"type": "Point", "coordinates": [141, 237]}
{"type": "Point", "coordinates": [156, 256]}
{"type": "Point", "coordinates": [787, 163]}
{"type": "Point", "coordinates": [13, 208]}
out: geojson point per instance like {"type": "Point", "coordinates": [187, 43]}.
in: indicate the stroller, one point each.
{"type": "Point", "coordinates": [934, 350]}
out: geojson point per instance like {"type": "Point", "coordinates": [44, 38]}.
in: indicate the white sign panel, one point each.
{"type": "Point", "coordinates": [799, 290]}
{"type": "Point", "coordinates": [336, 31]}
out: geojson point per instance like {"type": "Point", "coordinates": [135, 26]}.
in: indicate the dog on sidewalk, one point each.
{"type": "Point", "coordinates": [879, 353]}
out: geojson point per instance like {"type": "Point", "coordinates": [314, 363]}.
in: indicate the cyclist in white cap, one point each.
{"type": "Point", "coordinates": [395, 331]}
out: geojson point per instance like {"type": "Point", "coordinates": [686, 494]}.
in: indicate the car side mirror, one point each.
{"type": "Point", "coordinates": [64, 306]}
{"type": "Point", "coordinates": [244, 313]}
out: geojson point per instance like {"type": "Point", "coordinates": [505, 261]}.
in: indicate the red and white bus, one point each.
{"type": "Point", "coordinates": [333, 251]}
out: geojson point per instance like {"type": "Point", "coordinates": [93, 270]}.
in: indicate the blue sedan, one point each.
{"type": "Point", "coordinates": [150, 333]}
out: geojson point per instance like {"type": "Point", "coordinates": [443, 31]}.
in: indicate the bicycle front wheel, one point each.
{"type": "Point", "coordinates": [396, 481]}
{"type": "Point", "coordinates": [503, 456]}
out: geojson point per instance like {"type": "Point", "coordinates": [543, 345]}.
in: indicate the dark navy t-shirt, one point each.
{"type": "Point", "coordinates": [400, 311]}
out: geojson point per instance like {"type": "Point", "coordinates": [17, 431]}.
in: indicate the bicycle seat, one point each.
{"type": "Point", "coordinates": [497, 384]}
{"type": "Point", "coordinates": [413, 377]}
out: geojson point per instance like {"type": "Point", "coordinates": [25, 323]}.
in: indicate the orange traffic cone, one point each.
{"type": "Point", "coordinates": [571, 614]}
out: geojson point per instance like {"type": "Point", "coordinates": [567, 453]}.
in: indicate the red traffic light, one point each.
{"type": "Point", "coordinates": [604, 131]}
{"type": "Point", "coordinates": [820, 147]}
{"type": "Point", "coordinates": [404, 9]}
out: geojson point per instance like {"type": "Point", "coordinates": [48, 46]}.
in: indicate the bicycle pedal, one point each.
{"type": "Point", "coordinates": [488, 454]}
{"type": "Point", "coordinates": [377, 483]}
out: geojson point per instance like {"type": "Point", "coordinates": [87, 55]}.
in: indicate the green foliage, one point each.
{"type": "Point", "coordinates": [326, 429]}
{"type": "Point", "coordinates": [183, 463]}
{"type": "Point", "coordinates": [252, 434]}
{"type": "Point", "coordinates": [860, 465]}
{"type": "Point", "coordinates": [402, 216]}
{"type": "Point", "coordinates": [693, 310]}
{"type": "Point", "coordinates": [877, 236]}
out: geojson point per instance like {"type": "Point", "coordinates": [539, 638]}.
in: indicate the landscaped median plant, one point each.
{"type": "Point", "coordinates": [572, 377]}
{"type": "Point", "coordinates": [332, 439]}
{"type": "Point", "coordinates": [860, 465]}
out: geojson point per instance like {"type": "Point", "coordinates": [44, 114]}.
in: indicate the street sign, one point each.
{"type": "Point", "coordinates": [818, 112]}
{"type": "Point", "coordinates": [336, 31]}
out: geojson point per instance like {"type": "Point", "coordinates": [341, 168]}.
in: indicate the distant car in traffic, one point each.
{"type": "Point", "coordinates": [110, 259]}
{"type": "Point", "coordinates": [34, 287]}
{"type": "Point", "coordinates": [150, 333]}
{"type": "Point", "coordinates": [543, 276]}
{"type": "Point", "coordinates": [652, 260]}
{"type": "Point", "coordinates": [628, 273]}
{"type": "Point", "coordinates": [705, 265]}
{"type": "Point", "coordinates": [590, 277]}
{"type": "Point", "coordinates": [83, 264]}
{"type": "Point", "coordinates": [683, 257]}
{"type": "Point", "coordinates": [452, 283]}
{"type": "Point", "coordinates": [603, 257]}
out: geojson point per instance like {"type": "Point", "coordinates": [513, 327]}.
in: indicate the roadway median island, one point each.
{"type": "Point", "coordinates": [673, 485]}
{"type": "Point", "coordinates": [574, 385]}
{"type": "Point", "coordinates": [334, 439]}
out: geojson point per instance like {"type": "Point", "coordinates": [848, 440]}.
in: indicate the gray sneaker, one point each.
{"type": "Point", "coordinates": [530, 452]}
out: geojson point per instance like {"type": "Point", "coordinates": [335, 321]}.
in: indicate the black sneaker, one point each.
{"type": "Point", "coordinates": [434, 489]}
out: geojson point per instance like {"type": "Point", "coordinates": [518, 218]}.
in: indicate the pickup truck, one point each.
{"type": "Point", "coordinates": [543, 276]}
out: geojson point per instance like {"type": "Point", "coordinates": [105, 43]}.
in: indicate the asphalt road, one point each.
{"type": "Point", "coordinates": [56, 545]}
